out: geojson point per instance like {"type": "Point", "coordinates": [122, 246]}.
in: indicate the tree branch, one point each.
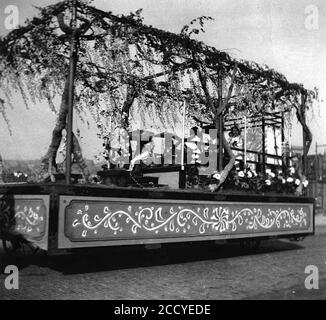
{"type": "Point", "coordinates": [226, 101]}
{"type": "Point", "coordinates": [203, 81]}
{"type": "Point", "coordinates": [85, 27]}
{"type": "Point", "coordinates": [306, 129]}
{"type": "Point", "coordinates": [131, 95]}
{"type": "Point", "coordinates": [225, 172]}
{"type": "Point", "coordinates": [63, 26]}
{"type": "Point", "coordinates": [230, 90]}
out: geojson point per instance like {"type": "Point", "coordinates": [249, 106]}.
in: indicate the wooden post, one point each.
{"type": "Point", "coordinates": [263, 145]}
{"type": "Point", "coordinates": [284, 153]}
{"type": "Point", "coordinates": [304, 136]}
{"type": "Point", "coordinates": [183, 135]}
{"type": "Point", "coordinates": [173, 152]}
{"type": "Point", "coordinates": [220, 121]}
{"type": "Point", "coordinates": [245, 143]}
{"type": "Point", "coordinates": [72, 71]}
{"type": "Point", "coordinates": [316, 163]}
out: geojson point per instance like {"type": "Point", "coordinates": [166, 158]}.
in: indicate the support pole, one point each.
{"type": "Point", "coordinates": [263, 145]}
{"type": "Point", "coordinates": [245, 142]}
{"type": "Point", "coordinates": [304, 136]}
{"type": "Point", "coordinates": [72, 71]}
{"type": "Point", "coordinates": [108, 140]}
{"type": "Point", "coordinates": [220, 121]}
{"type": "Point", "coordinates": [284, 150]}
{"type": "Point", "coordinates": [316, 163]}
{"type": "Point", "coordinates": [183, 136]}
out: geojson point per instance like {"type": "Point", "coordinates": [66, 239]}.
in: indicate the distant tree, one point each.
{"type": "Point", "coordinates": [1, 170]}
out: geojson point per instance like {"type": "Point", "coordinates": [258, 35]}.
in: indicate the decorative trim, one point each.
{"type": "Point", "coordinates": [97, 220]}
{"type": "Point", "coordinates": [25, 216]}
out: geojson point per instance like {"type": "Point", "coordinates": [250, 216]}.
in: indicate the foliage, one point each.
{"type": "Point", "coordinates": [123, 63]}
{"type": "Point", "coordinates": [118, 51]}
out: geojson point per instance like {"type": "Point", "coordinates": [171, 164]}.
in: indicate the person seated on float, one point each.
{"type": "Point", "coordinates": [145, 158]}
{"type": "Point", "coordinates": [193, 146]}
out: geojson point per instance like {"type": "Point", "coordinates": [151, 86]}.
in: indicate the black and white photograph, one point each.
{"type": "Point", "coordinates": [165, 151]}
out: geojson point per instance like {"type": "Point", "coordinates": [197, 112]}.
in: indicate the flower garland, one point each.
{"type": "Point", "coordinates": [247, 179]}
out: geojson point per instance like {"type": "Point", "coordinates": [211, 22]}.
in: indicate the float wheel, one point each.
{"type": "Point", "coordinates": [18, 249]}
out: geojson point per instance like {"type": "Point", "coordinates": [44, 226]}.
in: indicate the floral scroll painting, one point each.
{"type": "Point", "coordinates": [26, 215]}
{"type": "Point", "coordinates": [121, 219]}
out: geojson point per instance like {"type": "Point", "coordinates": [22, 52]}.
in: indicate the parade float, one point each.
{"type": "Point", "coordinates": [232, 176]}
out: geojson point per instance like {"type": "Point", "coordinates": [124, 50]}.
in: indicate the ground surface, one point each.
{"type": "Point", "coordinates": [197, 271]}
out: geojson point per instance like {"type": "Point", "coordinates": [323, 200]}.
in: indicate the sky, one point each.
{"type": "Point", "coordinates": [289, 36]}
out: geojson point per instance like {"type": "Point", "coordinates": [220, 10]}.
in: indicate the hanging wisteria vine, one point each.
{"type": "Point", "coordinates": [122, 63]}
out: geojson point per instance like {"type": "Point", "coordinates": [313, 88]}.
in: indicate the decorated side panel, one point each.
{"type": "Point", "coordinates": [27, 215]}
{"type": "Point", "coordinates": [88, 220]}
